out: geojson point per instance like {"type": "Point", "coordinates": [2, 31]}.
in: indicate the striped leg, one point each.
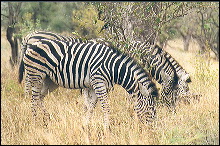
{"type": "Point", "coordinates": [168, 96]}
{"type": "Point", "coordinates": [101, 93]}
{"type": "Point", "coordinates": [48, 86]}
{"type": "Point", "coordinates": [90, 103]}
{"type": "Point", "coordinates": [27, 87]}
{"type": "Point", "coordinates": [37, 99]}
{"type": "Point", "coordinates": [169, 100]}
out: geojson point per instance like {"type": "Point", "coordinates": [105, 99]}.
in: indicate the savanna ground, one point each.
{"type": "Point", "coordinates": [195, 123]}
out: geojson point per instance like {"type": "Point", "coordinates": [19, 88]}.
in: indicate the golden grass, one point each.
{"type": "Point", "coordinates": [195, 123]}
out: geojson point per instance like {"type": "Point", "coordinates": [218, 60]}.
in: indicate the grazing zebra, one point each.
{"type": "Point", "coordinates": [38, 35]}
{"type": "Point", "coordinates": [91, 66]}
{"type": "Point", "coordinates": [168, 72]}
{"type": "Point", "coordinates": [164, 69]}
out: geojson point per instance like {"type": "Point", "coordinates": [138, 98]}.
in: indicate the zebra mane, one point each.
{"type": "Point", "coordinates": [168, 57]}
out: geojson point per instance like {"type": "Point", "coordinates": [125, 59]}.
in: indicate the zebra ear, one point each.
{"type": "Point", "coordinates": [186, 78]}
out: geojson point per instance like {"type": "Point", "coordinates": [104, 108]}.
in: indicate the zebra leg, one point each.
{"type": "Point", "coordinates": [35, 88]}
{"type": "Point", "coordinates": [90, 100]}
{"type": "Point", "coordinates": [90, 103]}
{"type": "Point", "coordinates": [37, 98]}
{"type": "Point", "coordinates": [27, 87]}
{"type": "Point", "coordinates": [48, 86]}
{"type": "Point", "coordinates": [169, 98]}
{"type": "Point", "coordinates": [101, 93]}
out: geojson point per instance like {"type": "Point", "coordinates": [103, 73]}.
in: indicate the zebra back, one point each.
{"type": "Point", "coordinates": [144, 51]}
{"type": "Point", "coordinates": [38, 35]}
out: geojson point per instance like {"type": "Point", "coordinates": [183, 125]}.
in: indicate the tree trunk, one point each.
{"type": "Point", "coordinates": [14, 46]}
{"type": "Point", "coordinates": [127, 24]}
{"type": "Point", "coordinates": [11, 30]}
{"type": "Point", "coordinates": [201, 43]}
{"type": "Point", "coordinates": [186, 41]}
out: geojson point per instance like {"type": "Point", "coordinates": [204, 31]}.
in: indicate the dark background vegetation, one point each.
{"type": "Point", "coordinates": [117, 22]}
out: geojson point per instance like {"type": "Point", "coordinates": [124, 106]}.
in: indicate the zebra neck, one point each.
{"type": "Point", "coordinates": [122, 71]}
{"type": "Point", "coordinates": [129, 74]}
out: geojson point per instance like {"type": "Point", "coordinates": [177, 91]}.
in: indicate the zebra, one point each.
{"type": "Point", "coordinates": [37, 35]}
{"type": "Point", "coordinates": [173, 78]}
{"type": "Point", "coordinates": [91, 66]}
{"type": "Point", "coordinates": [163, 68]}
{"type": "Point", "coordinates": [40, 34]}
{"type": "Point", "coordinates": [160, 64]}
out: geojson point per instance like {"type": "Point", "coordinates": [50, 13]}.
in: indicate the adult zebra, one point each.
{"type": "Point", "coordinates": [34, 37]}
{"type": "Point", "coordinates": [164, 69]}
{"type": "Point", "coordinates": [91, 66]}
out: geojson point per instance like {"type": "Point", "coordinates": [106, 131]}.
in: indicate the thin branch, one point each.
{"type": "Point", "coordinates": [18, 8]}
{"type": "Point", "coordinates": [174, 17]}
{"type": "Point", "coordinates": [5, 15]}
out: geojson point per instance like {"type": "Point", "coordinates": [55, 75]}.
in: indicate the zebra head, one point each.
{"type": "Point", "coordinates": [145, 102]}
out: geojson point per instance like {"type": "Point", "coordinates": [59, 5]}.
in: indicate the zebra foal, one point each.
{"type": "Point", "coordinates": [91, 66]}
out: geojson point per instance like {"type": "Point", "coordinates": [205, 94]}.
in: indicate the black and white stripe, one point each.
{"type": "Point", "coordinates": [91, 66]}
{"type": "Point", "coordinates": [38, 35]}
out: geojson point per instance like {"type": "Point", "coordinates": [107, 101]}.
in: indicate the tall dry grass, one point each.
{"type": "Point", "coordinates": [195, 123]}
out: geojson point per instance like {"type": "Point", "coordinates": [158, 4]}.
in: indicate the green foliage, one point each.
{"type": "Point", "coordinates": [143, 21]}
{"type": "Point", "coordinates": [76, 17]}
{"type": "Point", "coordinates": [51, 15]}
{"type": "Point", "coordinates": [158, 21]}
{"type": "Point", "coordinates": [202, 23]}
{"type": "Point", "coordinates": [85, 22]}
{"type": "Point", "coordinates": [28, 25]}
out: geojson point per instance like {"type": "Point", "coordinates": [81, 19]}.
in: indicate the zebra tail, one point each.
{"type": "Point", "coordinates": [21, 71]}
